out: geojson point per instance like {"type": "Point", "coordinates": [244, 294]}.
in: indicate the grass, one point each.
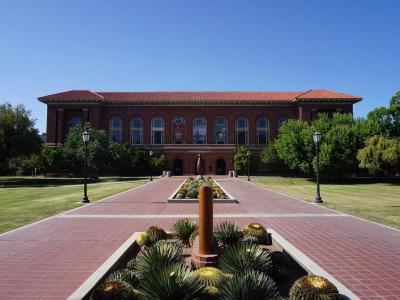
{"type": "Point", "coordinates": [24, 199]}
{"type": "Point", "coordinates": [379, 202]}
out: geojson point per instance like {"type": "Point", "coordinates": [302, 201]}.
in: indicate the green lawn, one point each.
{"type": "Point", "coordinates": [379, 202]}
{"type": "Point", "coordinates": [24, 199]}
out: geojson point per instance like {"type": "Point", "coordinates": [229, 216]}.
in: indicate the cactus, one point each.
{"type": "Point", "coordinates": [210, 276]}
{"type": "Point", "coordinates": [313, 287]}
{"type": "Point", "coordinates": [114, 289]}
{"type": "Point", "coordinates": [154, 234]}
{"type": "Point", "coordinates": [258, 231]}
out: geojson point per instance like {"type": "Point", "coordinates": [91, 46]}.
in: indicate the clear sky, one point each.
{"type": "Point", "coordinates": [350, 46]}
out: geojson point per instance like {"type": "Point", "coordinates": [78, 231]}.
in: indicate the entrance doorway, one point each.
{"type": "Point", "coordinates": [221, 167]}
{"type": "Point", "coordinates": [178, 167]}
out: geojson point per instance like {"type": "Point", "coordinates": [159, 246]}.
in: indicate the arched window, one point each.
{"type": "Point", "coordinates": [220, 130]}
{"type": "Point", "coordinates": [262, 131]}
{"type": "Point", "coordinates": [157, 130]}
{"type": "Point", "coordinates": [115, 130]}
{"type": "Point", "coordinates": [136, 131]}
{"type": "Point", "coordinates": [242, 131]}
{"type": "Point", "coordinates": [74, 121]}
{"type": "Point", "coordinates": [281, 121]}
{"type": "Point", "coordinates": [178, 130]}
{"type": "Point", "coordinates": [199, 130]}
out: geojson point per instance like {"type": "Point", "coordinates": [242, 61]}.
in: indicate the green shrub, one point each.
{"type": "Point", "coordinates": [252, 285]}
{"type": "Point", "coordinates": [244, 257]}
{"type": "Point", "coordinates": [183, 229]}
{"type": "Point", "coordinates": [154, 234]}
{"type": "Point", "coordinates": [114, 290]}
{"type": "Point", "coordinates": [174, 281]}
{"type": "Point", "coordinates": [227, 233]}
{"type": "Point", "coordinates": [258, 231]}
{"type": "Point", "coordinates": [192, 192]}
{"type": "Point", "coordinates": [210, 276]}
{"type": "Point", "coordinates": [313, 287]}
{"type": "Point", "coordinates": [159, 255]}
{"type": "Point", "coordinates": [125, 275]}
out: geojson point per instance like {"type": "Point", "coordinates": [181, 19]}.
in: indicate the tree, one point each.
{"type": "Point", "coordinates": [241, 159]}
{"type": "Point", "coordinates": [159, 163]}
{"type": "Point", "coordinates": [18, 136]}
{"type": "Point", "coordinates": [380, 153]}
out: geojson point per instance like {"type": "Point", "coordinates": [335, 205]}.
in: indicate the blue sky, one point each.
{"type": "Point", "coordinates": [350, 46]}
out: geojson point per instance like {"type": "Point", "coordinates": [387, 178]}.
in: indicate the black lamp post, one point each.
{"type": "Point", "coordinates": [151, 165]}
{"type": "Point", "coordinates": [85, 138]}
{"type": "Point", "coordinates": [317, 140]}
{"type": "Point", "coordinates": [248, 165]}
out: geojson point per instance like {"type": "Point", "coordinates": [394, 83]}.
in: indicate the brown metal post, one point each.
{"type": "Point", "coordinates": [205, 220]}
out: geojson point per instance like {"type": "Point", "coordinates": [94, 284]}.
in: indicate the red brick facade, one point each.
{"type": "Point", "coordinates": [99, 108]}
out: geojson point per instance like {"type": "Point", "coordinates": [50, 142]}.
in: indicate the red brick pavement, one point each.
{"type": "Point", "coordinates": [50, 259]}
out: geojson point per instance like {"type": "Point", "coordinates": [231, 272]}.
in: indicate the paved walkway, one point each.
{"type": "Point", "coordinates": [50, 259]}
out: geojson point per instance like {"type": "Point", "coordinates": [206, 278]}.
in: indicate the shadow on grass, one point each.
{"type": "Point", "coordinates": [12, 182]}
{"type": "Point", "coordinates": [359, 180]}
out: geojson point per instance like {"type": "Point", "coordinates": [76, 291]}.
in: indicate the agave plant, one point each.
{"type": "Point", "coordinates": [125, 275]}
{"type": "Point", "coordinates": [183, 229]}
{"type": "Point", "coordinates": [258, 231]}
{"type": "Point", "coordinates": [241, 258]}
{"type": "Point", "coordinates": [252, 285]}
{"type": "Point", "coordinates": [227, 233]}
{"type": "Point", "coordinates": [210, 276]}
{"type": "Point", "coordinates": [313, 287]}
{"type": "Point", "coordinates": [174, 281]}
{"type": "Point", "coordinates": [154, 234]}
{"type": "Point", "coordinates": [114, 290]}
{"type": "Point", "coordinates": [131, 264]}
{"type": "Point", "coordinates": [193, 237]}
{"type": "Point", "coordinates": [157, 256]}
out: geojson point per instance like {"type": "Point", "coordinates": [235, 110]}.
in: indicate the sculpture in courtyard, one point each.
{"type": "Point", "coordinates": [199, 166]}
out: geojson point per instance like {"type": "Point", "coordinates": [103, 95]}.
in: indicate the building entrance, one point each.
{"type": "Point", "coordinates": [221, 167]}
{"type": "Point", "coordinates": [178, 167]}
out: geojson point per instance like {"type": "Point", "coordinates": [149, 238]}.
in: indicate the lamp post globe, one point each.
{"type": "Point", "coordinates": [248, 165]}
{"type": "Point", "coordinates": [317, 139]}
{"type": "Point", "coordinates": [85, 139]}
{"type": "Point", "coordinates": [151, 165]}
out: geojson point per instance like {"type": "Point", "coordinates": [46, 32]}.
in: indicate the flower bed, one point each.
{"type": "Point", "coordinates": [247, 269]}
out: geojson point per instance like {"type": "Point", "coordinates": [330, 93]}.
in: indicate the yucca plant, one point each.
{"type": "Point", "coordinates": [313, 287]}
{"type": "Point", "coordinates": [174, 281]}
{"type": "Point", "coordinates": [183, 229]}
{"type": "Point", "coordinates": [258, 231]}
{"type": "Point", "coordinates": [154, 234]}
{"type": "Point", "coordinates": [125, 275]}
{"type": "Point", "coordinates": [252, 285]}
{"type": "Point", "coordinates": [159, 255]}
{"type": "Point", "coordinates": [227, 233]}
{"type": "Point", "coordinates": [114, 290]}
{"type": "Point", "coordinates": [241, 258]}
{"type": "Point", "coordinates": [210, 276]}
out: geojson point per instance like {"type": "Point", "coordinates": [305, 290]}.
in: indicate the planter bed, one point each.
{"type": "Point", "coordinates": [188, 191]}
{"type": "Point", "coordinates": [158, 266]}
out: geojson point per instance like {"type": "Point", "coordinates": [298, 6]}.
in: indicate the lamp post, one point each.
{"type": "Point", "coordinates": [248, 165]}
{"type": "Point", "coordinates": [85, 138]}
{"type": "Point", "coordinates": [317, 139]}
{"type": "Point", "coordinates": [151, 165]}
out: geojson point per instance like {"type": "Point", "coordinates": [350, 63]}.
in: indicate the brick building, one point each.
{"type": "Point", "coordinates": [179, 125]}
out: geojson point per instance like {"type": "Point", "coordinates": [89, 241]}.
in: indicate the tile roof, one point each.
{"type": "Point", "coordinates": [133, 97]}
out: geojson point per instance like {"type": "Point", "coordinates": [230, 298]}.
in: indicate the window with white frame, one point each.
{"type": "Point", "coordinates": [178, 130]}
{"type": "Point", "coordinates": [262, 131]}
{"type": "Point", "coordinates": [157, 131]}
{"type": "Point", "coordinates": [137, 131]}
{"type": "Point", "coordinates": [199, 130]}
{"type": "Point", "coordinates": [115, 130]}
{"type": "Point", "coordinates": [220, 130]}
{"type": "Point", "coordinates": [242, 131]}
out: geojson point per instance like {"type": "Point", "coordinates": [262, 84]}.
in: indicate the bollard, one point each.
{"type": "Point", "coordinates": [205, 220]}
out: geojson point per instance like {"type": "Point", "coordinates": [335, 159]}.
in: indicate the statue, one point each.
{"type": "Point", "coordinates": [199, 167]}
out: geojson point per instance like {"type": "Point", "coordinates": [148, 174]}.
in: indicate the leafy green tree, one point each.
{"type": "Point", "coordinates": [380, 153]}
{"type": "Point", "coordinates": [241, 159]}
{"type": "Point", "coordinates": [73, 150]}
{"type": "Point", "coordinates": [159, 163]}
{"type": "Point", "coordinates": [18, 136]}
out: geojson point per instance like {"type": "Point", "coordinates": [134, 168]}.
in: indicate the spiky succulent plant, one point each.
{"type": "Point", "coordinates": [114, 290]}
{"type": "Point", "coordinates": [241, 258]}
{"type": "Point", "coordinates": [313, 287]}
{"type": "Point", "coordinates": [125, 275]}
{"type": "Point", "coordinates": [193, 237]}
{"type": "Point", "coordinates": [252, 285]}
{"type": "Point", "coordinates": [157, 256]}
{"type": "Point", "coordinates": [210, 276]}
{"type": "Point", "coordinates": [258, 231]}
{"type": "Point", "coordinates": [183, 229]}
{"type": "Point", "coordinates": [174, 281]}
{"type": "Point", "coordinates": [227, 233]}
{"type": "Point", "coordinates": [154, 234]}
